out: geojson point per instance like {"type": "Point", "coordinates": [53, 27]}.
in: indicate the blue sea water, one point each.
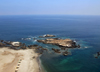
{"type": "Point", "coordinates": [84, 29]}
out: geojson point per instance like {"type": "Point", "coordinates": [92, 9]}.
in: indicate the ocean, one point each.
{"type": "Point", "coordinates": [84, 29]}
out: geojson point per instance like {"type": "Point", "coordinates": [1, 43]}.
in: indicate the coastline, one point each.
{"type": "Point", "coordinates": [41, 66]}
{"type": "Point", "coordinates": [9, 60]}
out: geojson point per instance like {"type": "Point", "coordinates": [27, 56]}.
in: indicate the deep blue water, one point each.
{"type": "Point", "coordinates": [84, 29]}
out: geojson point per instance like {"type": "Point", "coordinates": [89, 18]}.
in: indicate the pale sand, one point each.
{"type": "Point", "coordinates": [9, 60]}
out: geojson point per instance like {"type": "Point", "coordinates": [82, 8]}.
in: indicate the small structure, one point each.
{"type": "Point", "coordinates": [16, 44]}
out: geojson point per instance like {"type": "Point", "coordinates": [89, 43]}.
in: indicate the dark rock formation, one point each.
{"type": "Point", "coordinates": [39, 50]}
{"type": "Point", "coordinates": [33, 46]}
{"type": "Point", "coordinates": [39, 47]}
{"type": "Point", "coordinates": [41, 37]}
{"type": "Point", "coordinates": [8, 42]}
{"type": "Point", "coordinates": [78, 46]}
{"type": "Point", "coordinates": [45, 49]}
{"type": "Point", "coordinates": [2, 44]}
{"type": "Point", "coordinates": [39, 40]}
{"type": "Point", "coordinates": [56, 50]}
{"type": "Point", "coordinates": [97, 55]}
{"type": "Point", "coordinates": [65, 53]}
{"type": "Point", "coordinates": [23, 47]}
{"type": "Point", "coordinates": [63, 48]}
{"type": "Point", "coordinates": [30, 46]}
{"type": "Point", "coordinates": [1, 40]}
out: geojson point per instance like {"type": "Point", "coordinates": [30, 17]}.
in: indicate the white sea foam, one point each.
{"type": "Point", "coordinates": [22, 39]}
{"type": "Point", "coordinates": [44, 35]}
{"type": "Point", "coordinates": [35, 40]}
{"type": "Point", "coordinates": [74, 40]}
{"type": "Point", "coordinates": [85, 47]}
{"type": "Point", "coordinates": [47, 46]}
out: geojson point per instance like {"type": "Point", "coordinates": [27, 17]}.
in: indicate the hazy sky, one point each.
{"type": "Point", "coordinates": [50, 7]}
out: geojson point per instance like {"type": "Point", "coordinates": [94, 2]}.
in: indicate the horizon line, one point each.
{"type": "Point", "coordinates": [49, 14]}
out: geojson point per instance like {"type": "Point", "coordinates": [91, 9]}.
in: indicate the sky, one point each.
{"type": "Point", "coordinates": [49, 7]}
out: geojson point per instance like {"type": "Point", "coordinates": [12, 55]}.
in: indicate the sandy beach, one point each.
{"type": "Point", "coordinates": [18, 60]}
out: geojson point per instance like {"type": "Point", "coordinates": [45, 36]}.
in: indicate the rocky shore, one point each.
{"type": "Point", "coordinates": [17, 57]}
{"type": "Point", "coordinates": [61, 43]}
{"type": "Point", "coordinates": [32, 51]}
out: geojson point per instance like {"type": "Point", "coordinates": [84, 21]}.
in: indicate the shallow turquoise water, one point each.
{"type": "Point", "coordinates": [84, 29]}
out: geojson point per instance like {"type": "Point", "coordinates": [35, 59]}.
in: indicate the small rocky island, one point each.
{"type": "Point", "coordinates": [47, 35]}
{"type": "Point", "coordinates": [68, 43]}
{"type": "Point", "coordinates": [61, 43]}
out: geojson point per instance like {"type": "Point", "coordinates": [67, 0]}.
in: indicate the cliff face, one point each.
{"type": "Point", "coordinates": [59, 42]}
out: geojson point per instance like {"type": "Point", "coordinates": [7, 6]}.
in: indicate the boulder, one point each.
{"type": "Point", "coordinates": [63, 48]}
{"type": "Point", "coordinates": [65, 53]}
{"type": "Point", "coordinates": [56, 50]}
{"type": "Point", "coordinates": [1, 40]}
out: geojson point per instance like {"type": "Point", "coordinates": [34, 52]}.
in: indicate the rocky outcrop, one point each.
{"type": "Point", "coordinates": [78, 46]}
{"type": "Point", "coordinates": [97, 55]}
{"type": "Point", "coordinates": [44, 49]}
{"type": "Point", "coordinates": [2, 44]}
{"type": "Point", "coordinates": [63, 48]}
{"type": "Point", "coordinates": [56, 50]}
{"type": "Point", "coordinates": [32, 46]}
{"type": "Point", "coordinates": [1, 40]}
{"type": "Point", "coordinates": [48, 35]}
{"type": "Point", "coordinates": [68, 43]}
{"type": "Point", "coordinates": [23, 47]}
{"type": "Point", "coordinates": [65, 53]}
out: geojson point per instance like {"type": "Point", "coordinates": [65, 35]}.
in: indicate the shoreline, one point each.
{"type": "Point", "coordinates": [39, 63]}
{"type": "Point", "coordinates": [9, 59]}
{"type": "Point", "coordinates": [41, 66]}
